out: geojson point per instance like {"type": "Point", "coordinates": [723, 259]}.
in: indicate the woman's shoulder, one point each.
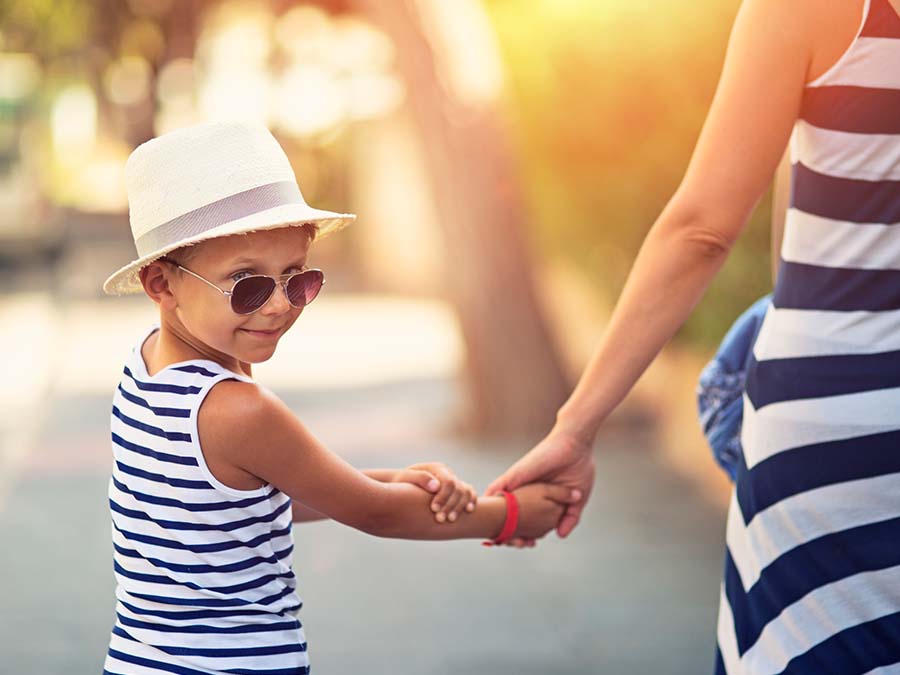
{"type": "Point", "coordinates": [822, 28]}
{"type": "Point", "coordinates": [825, 9]}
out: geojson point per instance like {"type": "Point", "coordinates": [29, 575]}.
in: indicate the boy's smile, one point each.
{"type": "Point", "coordinates": [263, 333]}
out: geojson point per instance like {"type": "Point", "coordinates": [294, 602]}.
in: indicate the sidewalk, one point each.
{"type": "Point", "coordinates": [633, 591]}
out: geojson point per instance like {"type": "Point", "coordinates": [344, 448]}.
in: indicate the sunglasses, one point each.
{"type": "Point", "coordinates": [252, 293]}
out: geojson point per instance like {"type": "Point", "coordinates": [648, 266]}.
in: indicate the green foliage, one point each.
{"type": "Point", "coordinates": [607, 100]}
{"type": "Point", "coordinates": [49, 28]}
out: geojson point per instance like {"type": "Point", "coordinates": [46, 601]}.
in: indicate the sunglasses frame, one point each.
{"type": "Point", "coordinates": [281, 280]}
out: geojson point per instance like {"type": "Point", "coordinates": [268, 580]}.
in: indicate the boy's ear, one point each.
{"type": "Point", "coordinates": [155, 280]}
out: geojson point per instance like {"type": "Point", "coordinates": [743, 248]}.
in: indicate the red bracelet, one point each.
{"type": "Point", "coordinates": [511, 523]}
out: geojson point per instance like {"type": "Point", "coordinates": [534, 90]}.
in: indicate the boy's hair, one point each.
{"type": "Point", "coordinates": [184, 254]}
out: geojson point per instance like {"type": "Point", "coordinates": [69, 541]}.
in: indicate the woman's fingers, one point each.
{"type": "Point", "coordinates": [519, 474]}
{"type": "Point", "coordinates": [509, 480]}
{"type": "Point", "coordinates": [562, 494]}
{"type": "Point", "coordinates": [545, 461]}
{"type": "Point", "coordinates": [498, 485]}
{"type": "Point", "coordinates": [570, 519]}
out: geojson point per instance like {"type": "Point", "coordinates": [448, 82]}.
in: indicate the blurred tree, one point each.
{"type": "Point", "coordinates": [605, 101]}
{"type": "Point", "coordinates": [514, 371]}
{"type": "Point", "coordinates": [48, 28]}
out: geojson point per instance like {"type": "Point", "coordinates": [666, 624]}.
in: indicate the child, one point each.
{"type": "Point", "coordinates": [209, 466]}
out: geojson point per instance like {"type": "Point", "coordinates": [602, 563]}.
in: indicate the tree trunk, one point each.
{"type": "Point", "coordinates": [514, 372]}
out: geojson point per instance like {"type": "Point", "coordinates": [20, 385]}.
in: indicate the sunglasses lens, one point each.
{"type": "Point", "coordinates": [251, 293]}
{"type": "Point", "coordinates": [303, 288]}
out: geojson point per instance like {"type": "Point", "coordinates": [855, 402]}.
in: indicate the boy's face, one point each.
{"type": "Point", "coordinates": [206, 313]}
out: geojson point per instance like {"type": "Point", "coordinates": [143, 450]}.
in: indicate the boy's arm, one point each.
{"type": "Point", "coordinates": [251, 428]}
{"type": "Point", "coordinates": [418, 475]}
{"type": "Point", "coordinates": [301, 513]}
{"type": "Point", "coordinates": [381, 475]}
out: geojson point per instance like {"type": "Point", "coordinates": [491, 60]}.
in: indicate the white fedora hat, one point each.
{"type": "Point", "coordinates": [206, 181]}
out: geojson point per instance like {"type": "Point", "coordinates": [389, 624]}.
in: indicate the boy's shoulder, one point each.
{"type": "Point", "coordinates": [233, 407]}
{"type": "Point", "coordinates": [235, 417]}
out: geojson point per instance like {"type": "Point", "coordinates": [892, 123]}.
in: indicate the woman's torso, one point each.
{"type": "Point", "coordinates": [834, 327]}
{"type": "Point", "coordinates": [812, 579]}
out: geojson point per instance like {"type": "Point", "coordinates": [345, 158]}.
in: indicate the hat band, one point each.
{"type": "Point", "coordinates": [218, 213]}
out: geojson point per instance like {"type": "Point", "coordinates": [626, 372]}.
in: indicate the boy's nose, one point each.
{"type": "Point", "coordinates": [278, 303]}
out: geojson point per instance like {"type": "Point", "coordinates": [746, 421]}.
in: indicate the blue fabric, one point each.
{"type": "Point", "coordinates": [721, 387]}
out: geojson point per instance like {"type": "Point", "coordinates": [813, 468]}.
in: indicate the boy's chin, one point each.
{"type": "Point", "coordinates": [260, 356]}
{"type": "Point", "coordinates": [257, 357]}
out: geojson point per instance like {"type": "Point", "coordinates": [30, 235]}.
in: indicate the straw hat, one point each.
{"type": "Point", "coordinates": [206, 181]}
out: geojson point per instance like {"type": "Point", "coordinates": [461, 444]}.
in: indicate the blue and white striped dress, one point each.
{"type": "Point", "coordinates": [812, 570]}
{"type": "Point", "coordinates": [203, 571]}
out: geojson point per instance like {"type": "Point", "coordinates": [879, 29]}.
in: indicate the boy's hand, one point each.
{"type": "Point", "coordinates": [541, 505]}
{"type": "Point", "coordinates": [453, 497]}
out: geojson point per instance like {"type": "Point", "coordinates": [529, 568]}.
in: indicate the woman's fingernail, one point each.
{"type": "Point", "coordinates": [576, 494]}
{"type": "Point", "coordinates": [441, 517]}
{"type": "Point", "coordinates": [470, 506]}
{"type": "Point", "coordinates": [452, 517]}
{"type": "Point", "coordinates": [435, 507]}
{"type": "Point", "coordinates": [433, 485]}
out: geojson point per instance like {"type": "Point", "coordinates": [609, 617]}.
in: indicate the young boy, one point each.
{"type": "Point", "coordinates": [210, 467]}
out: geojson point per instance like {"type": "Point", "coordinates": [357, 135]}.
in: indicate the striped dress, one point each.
{"type": "Point", "coordinates": [203, 571]}
{"type": "Point", "coordinates": [812, 569]}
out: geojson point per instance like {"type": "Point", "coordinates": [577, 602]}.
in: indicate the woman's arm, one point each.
{"type": "Point", "coordinates": [746, 131]}
{"type": "Point", "coordinates": [744, 136]}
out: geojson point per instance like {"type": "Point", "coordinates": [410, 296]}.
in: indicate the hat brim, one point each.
{"type": "Point", "coordinates": [127, 280]}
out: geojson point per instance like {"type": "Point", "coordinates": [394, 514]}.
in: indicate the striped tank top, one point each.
{"type": "Point", "coordinates": [203, 570]}
{"type": "Point", "coordinates": [812, 567]}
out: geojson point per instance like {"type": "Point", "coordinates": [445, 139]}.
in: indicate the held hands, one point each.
{"type": "Point", "coordinates": [552, 484]}
{"type": "Point", "coordinates": [541, 505]}
{"type": "Point", "coordinates": [561, 459]}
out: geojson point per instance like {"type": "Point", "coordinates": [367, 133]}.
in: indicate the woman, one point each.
{"type": "Point", "coordinates": [812, 572]}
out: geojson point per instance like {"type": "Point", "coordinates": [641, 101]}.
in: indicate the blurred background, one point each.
{"type": "Point", "coordinates": [506, 159]}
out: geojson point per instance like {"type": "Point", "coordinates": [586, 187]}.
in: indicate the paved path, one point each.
{"type": "Point", "coordinates": [632, 592]}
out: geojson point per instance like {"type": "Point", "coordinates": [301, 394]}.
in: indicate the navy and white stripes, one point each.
{"type": "Point", "coordinates": [812, 570]}
{"type": "Point", "coordinates": [203, 570]}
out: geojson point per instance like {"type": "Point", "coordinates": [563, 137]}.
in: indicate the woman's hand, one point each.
{"type": "Point", "coordinates": [560, 459]}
